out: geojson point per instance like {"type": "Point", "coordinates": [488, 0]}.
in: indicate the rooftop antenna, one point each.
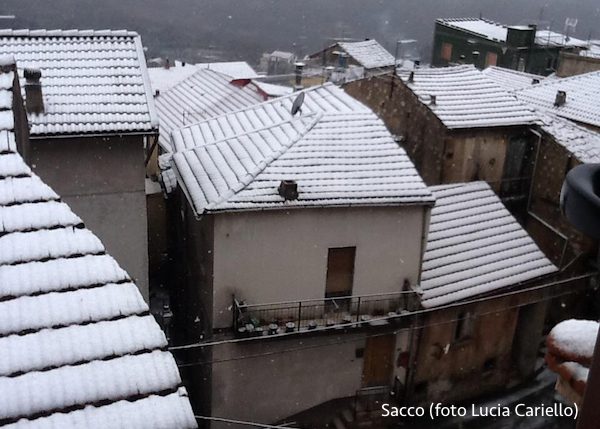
{"type": "Point", "coordinates": [297, 105]}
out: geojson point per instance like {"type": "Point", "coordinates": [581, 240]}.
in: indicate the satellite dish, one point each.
{"type": "Point", "coordinates": [297, 106]}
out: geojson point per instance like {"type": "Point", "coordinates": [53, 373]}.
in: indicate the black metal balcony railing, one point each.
{"type": "Point", "coordinates": [294, 316]}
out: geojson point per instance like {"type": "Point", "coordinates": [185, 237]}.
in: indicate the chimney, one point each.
{"type": "Point", "coordinates": [433, 100]}
{"type": "Point", "coordinates": [535, 81]}
{"type": "Point", "coordinates": [417, 63]}
{"type": "Point", "coordinates": [288, 189]}
{"type": "Point", "coordinates": [34, 101]}
{"type": "Point", "coordinates": [167, 64]}
{"type": "Point", "coordinates": [561, 98]}
{"type": "Point", "coordinates": [411, 77]}
{"type": "Point", "coordinates": [298, 72]}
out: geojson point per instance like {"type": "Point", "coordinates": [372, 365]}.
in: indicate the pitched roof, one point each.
{"type": "Point", "coordinates": [78, 346]}
{"type": "Point", "coordinates": [92, 81]}
{"type": "Point", "coordinates": [202, 95]}
{"type": "Point", "coordinates": [498, 32]}
{"type": "Point", "coordinates": [475, 246]}
{"type": "Point", "coordinates": [336, 149]}
{"type": "Point", "coordinates": [163, 79]}
{"type": "Point", "coordinates": [368, 53]}
{"type": "Point", "coordinates": [582, 142]}
{"type": "Point", "coordinates": [583, 97]}
{"type": "Point", "coordinates": [466, 98]}
{"type": "Point", "coordinates": [511, 79]}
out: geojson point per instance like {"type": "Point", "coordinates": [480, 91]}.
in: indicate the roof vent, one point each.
{"type": "Point", "coordinates": [433, 100]}
{"type": "Point", "coordinates": [288, 189]}
{"type": "Point", "coordinates": [561, 98]}
{"type": "Point", "coordinates": [34, 101]}
{"type": "Point", "coordinates": [535, 81]}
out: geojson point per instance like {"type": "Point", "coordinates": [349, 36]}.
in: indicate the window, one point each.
{"type": "Point", "coordinates": [491, 59]}
{"type": "Point", "coordinates": [446, 51]}
{"type": "Point", "coordinates": [464, 326]}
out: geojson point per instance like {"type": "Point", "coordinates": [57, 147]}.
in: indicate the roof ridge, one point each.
{"type": "Point", "coordinates": [26, 32]}
{"type": "Point", "coordinates": [259, 105]}
{"type": "Point", "coordinates": [249, 178]}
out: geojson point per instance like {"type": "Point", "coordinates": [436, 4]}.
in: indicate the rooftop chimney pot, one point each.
{"type": "Point", "coordinates": [298, 72]}
{"type": "Point", "coordinates": [561, 98]}
{"type": "Point", "coordinates": [34, 101]}
{"type": "Point", "coordinates": [288, 189]}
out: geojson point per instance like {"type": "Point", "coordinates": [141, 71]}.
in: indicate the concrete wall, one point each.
{"type": "Point", "coordinates": [279, 383]}
{"type": "Point", "coordinates": [570, 64]}
{"type": "Point", "coordinates": [102, 179]}
{"type": "Point", "coordinates": [274, 256]}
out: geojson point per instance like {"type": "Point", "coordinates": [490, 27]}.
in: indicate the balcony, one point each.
{"type": "Point", "coordinates": [298, 316]}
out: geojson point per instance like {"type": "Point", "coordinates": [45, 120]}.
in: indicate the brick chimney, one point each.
{"type": "Point", "coordinates": [34, 100]}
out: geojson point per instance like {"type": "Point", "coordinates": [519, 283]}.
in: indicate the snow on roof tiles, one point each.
{"type": "Point", "coordinates": [475, 246]}
{"type": "Point", "coordinates": [92, 81]}
{"type": "Point", "coordinates": [163, 79]}
{"type": "Point", "coordinates": [582, 142]}
{"type": "Point", "coordinates": [511, 79]}
{"type": "Point", "coordinates": [76, 338]}
{"type": "Point", "coordinates": [203, 95]}
{"type": "Point", "coordinates": [583, 97]}
{"type": "Point", "coordinates": [497, 32]}
{"type": "Point", "coordinates": [337, 150]}
{"type": "Point", "coordinates": [368, 53]}
{"type": "Point", "coordinates": [466, 98]}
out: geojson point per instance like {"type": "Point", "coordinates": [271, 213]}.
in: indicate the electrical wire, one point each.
{"type": "Point", "coordinates": [242, 422]}
{"type": "Point", "coordinates": [358, 336]}
{"type": "Point", "coordinates": [385, 318]}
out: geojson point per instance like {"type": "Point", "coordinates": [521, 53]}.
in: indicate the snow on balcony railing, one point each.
{"type": "Point", "coordinates": [315, 314]}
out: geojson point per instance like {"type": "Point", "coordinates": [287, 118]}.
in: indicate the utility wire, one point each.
{"type": "Point", "coordinates": [358, 336]}
{"type": "Point", "coordinates": [385, 318]}
{"type": "Point", "coordinates": [242, 422]}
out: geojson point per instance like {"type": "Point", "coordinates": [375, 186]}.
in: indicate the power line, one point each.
{"type": "Point", "coordinates": [420, 327]}
{"type": "Point", "coordinates": [242, 422]}
{"type": "Point", "coordinates": [384, 318]}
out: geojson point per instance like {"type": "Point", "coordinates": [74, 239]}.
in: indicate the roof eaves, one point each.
{"type": "Point", "coordinates": [154, 122]}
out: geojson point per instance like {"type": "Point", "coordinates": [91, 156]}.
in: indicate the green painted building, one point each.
{"type": "Point", "coordinates": [486, 43]}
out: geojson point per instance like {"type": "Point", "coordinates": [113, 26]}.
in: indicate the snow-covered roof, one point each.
{"type": "Point", "coordinates": [78, 347]}
{"type": "Point", "coordinates": [337, 150]}
{"type": "Point", "coordinates": [497, 32]}
{"type": "Point", "coordinates": [92, 81]}
{"type": "Point", "coordinates": [582, 142]}
{"type": "Point", "coordinates": [475, 246]}
{"type": "Point", "coordinates": [466, 98]}
{"type": "Point", "coordinates": [202, 95]}
{"type": "Point", "coordinates": [271, 89]}
{"type": "Point", "coordinates": [511, 79]}
{"type": "Point", "coordinates": [583, 97]}
{"type": "Point", "coordinates": [233, 69]}
{"type": "Point", "coordinates": [163, 79]}
{"type": "Point", "coordinates": [368, 53]}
